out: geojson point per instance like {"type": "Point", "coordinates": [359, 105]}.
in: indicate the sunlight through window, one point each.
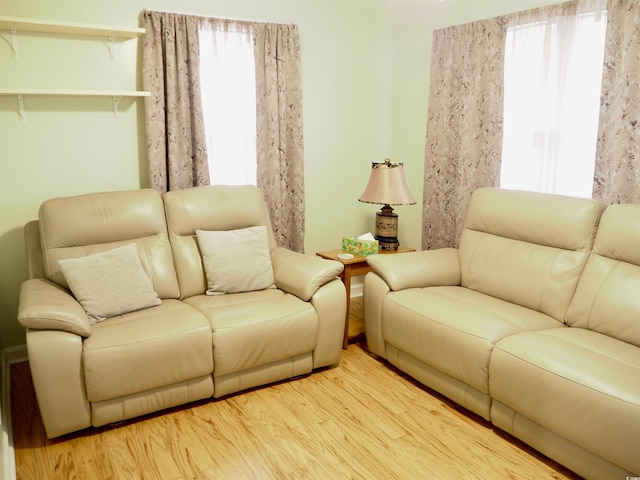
{"type": "Point", "coordinates": [227, 75]}
{"type": "Point", "coordinates": [552, 83]}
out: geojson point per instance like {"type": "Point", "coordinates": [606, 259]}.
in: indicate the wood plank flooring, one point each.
{"type": "Point", "coordinates": [362, 420]}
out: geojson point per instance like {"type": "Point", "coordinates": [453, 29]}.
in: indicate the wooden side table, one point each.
{"type": "Point", "coordinates": [352, 268]}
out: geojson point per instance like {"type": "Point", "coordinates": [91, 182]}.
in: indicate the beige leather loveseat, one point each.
{"type": "Point", "coordinates": [175, 298]}
{"type": "Point", "coordinates": [532, 323]}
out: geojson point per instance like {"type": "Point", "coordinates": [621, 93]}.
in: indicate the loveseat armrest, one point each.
{"type": "Point", "coordinates": [45, 305]}
{"type": "Point", "coordinates": [422, 269]}
{"type": "Point", "coordinates": [55, 361]}
{"type": "Point", "coordinates": [302, 275]}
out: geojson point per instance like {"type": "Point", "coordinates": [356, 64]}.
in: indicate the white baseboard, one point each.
{"type": "Point", "coordinates": [10, 355]}
{"type": "Point", "coordinates": [357, 290]}
{"type": "Point", "coordinates": [15, 354]}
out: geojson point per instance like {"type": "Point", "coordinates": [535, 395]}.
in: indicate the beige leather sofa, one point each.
{"type": "Point", "coordinates": [187, 345]}
{"type": "Point", "coordinates": [530, 324]}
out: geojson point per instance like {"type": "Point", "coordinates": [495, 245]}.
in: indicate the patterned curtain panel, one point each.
{"type": "Point", "coordinates": [176, 142]}
{"type": "Point", "coordinates": [617, 171]}
{"type": "Point", "coordinates": [280, 153]}
{"type": "Point", "coordinates": [464, 125]}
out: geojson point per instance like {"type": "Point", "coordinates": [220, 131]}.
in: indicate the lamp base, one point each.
{"type": "Point", "coordinates": [387, 229]}
{"type": "Point", "coordinates": [388, 246]}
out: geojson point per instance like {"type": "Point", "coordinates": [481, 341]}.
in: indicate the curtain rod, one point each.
{"type": "Point", "coordinates": [210, 17]}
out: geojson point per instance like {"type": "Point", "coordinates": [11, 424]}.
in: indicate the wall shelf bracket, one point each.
{"type": "Point", "coordinates": [110, 40]}
{"type": "Point", "coordinates": [14, 41]}
{"type": "Point", "coordinates": [116, 108]}
{"type": "Point", "coordinates": [21, 111]}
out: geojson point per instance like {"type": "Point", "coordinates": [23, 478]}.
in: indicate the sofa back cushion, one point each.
{"type": "Point", "coordinates": [78, 226]}
{"type": "Point", "coordinates": [209, 208]}
{"type": "Point", "coordinates": [527, 248]}
{"type": "Point", "coordinates": [608, 296]}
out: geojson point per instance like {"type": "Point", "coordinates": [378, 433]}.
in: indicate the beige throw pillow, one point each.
{"type": "Point", "coordinates": [110, 283]}
{"type": "Point", "coordinates": [236, 260]}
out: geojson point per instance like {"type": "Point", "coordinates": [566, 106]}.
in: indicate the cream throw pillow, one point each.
{"type": "Point", "coordinates": [109, 283]}
{"type": "Point", "coordinates": [236, 260]}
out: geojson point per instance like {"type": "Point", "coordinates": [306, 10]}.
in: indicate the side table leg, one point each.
{"type": "Point", "coordinates": [346, 279]}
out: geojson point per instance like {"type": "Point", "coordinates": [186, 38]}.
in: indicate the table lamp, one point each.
{"type": "Point", "coordinates": [387, 186]}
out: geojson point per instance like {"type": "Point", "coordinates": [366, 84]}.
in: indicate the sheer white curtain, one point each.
{"type": "Point", "coordinates": [227, 77]}
{"type": "Point", "coordinates": [552, 82]}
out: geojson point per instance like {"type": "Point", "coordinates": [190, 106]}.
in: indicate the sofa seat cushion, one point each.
{"type": "Point", "coordinates": [142, 350]}
{"type": "Point", "coordinates": [454, 329]}
{"type": "Point", "coordinates": [568, 380]}
{"type": "Point", "coordinates": [257, 328]}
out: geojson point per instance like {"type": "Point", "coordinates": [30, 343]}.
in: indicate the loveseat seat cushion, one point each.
{"type": "Point", "coordinates": [143, 350]}
{"type": "Point", "coordinates": [568, 380]}
{"type": "Point", "coordinates": [253, 329]}
{"type": "Point", "coordinates": [454, 329]}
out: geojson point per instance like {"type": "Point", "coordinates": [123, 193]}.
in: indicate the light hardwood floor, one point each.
{"type": "Point", "coordinates": [362, 420]}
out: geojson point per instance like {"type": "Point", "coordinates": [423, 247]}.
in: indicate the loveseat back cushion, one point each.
{"type": "Point", "coordinates": [608, 296]}
{"type": "Point", "coordinates": [35, 265]}
{"type": "Point", "coordinates": [527, 248]}
{"type": "Point", "coordinates": [209, 208]}
{"type": "Point", "coordinates": [78, 226]}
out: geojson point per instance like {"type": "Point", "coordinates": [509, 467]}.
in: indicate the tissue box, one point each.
{"type": "Point", "coordinates": [359, 247]}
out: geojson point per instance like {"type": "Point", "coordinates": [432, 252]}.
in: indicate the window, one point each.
{"type": "Point", "coordinates": [227, 78]}
{"type": "Point", "coordinates": [552, 83]}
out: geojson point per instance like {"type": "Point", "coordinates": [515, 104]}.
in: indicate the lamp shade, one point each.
{"type": "Point", "coordinates": [387, 185]}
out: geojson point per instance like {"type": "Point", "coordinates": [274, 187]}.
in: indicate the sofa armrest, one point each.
{"type": "Point", "coordinates": [45, 305]}
{"type": "Point", "coordinates": [422, 269]}
{"type": "Point", "coordinates": [302, 275]}
{"type": "Point", "coordinates": [330, 303]}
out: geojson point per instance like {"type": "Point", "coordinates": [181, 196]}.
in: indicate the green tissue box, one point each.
{"type": "Point", "coordinates": [359, 247]}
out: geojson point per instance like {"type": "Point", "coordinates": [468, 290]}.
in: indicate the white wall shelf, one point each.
{"type": "Point", "coordinates": [115, 95]}
{"type": "Point", "coordinates": [15, 25]}
{"type": "Point", "coordinates": [73, 93]}
{"type": "Point", "coordinates": [67, 28]}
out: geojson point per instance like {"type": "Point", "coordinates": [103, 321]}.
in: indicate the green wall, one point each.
{"type": "Point", "coordinates": [365, 88]}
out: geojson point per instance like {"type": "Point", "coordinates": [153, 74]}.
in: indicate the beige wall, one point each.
{"type": "Point", "coordinates": [365, 87]}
